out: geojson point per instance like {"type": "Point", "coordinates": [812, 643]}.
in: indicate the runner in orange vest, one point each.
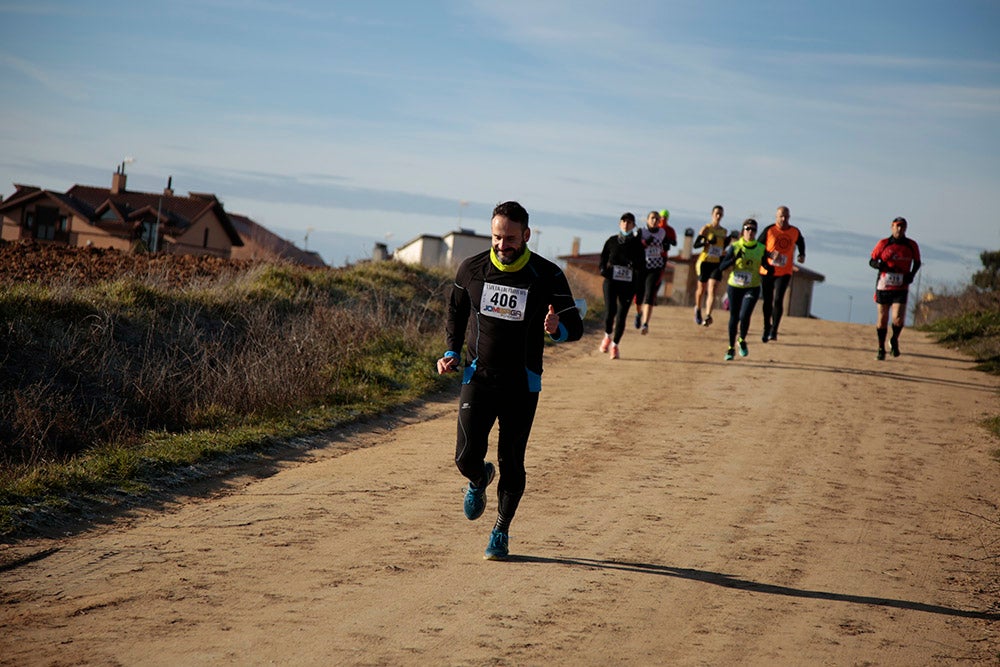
{"type": "Point", "coordinates": [780, 241]}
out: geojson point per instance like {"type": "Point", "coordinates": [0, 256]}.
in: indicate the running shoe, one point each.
{"type": "Point", "coordinates": [774, 334]}
{"type": "Point", "coordinates": [730, 354]}
{"type": "Point", "coordinates": [743, 348]}
{"type": "Point", "coordinates": [475, 496]}
{"type": "Point", "coordinates": [697, 316]}
{"type": "Point", "coordinates": [645, 329]}
{"type": "Point", "coordinates": [766, 336]}
{"type": "Point", "coordinates": [894, 348]}
{"type": "Point", "coordinates": [708, 321]}
{"type": "Point", "coordinates": [497, 548]}
{"type": "Point", "coordinates": [880, 355]}
{"type": "Point", "coordinates": [614, 352]}
{"type": "Point", "coordinates": [638, 320]}
{"type": "Point", "coordinates": [605, 344]}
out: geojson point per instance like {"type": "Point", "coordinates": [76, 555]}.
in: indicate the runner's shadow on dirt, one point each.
{"type": "Point", "coordinates": [871, 351]}
{"type": "Point", "coordinates": [736, 583]}
{"type": "Point", "coordinates": [820, 368]}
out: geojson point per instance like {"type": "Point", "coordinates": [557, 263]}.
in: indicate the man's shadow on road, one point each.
{"type": "Point", "coordinates": [733, 582]}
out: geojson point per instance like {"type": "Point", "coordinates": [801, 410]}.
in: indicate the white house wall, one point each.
{"type": "Point", "coordinates": [463, 246]}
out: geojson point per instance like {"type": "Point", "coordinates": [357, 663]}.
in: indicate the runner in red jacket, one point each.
{"type": "Point", "coordinates": [897, 259]}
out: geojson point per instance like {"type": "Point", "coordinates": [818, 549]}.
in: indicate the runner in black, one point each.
{"type": "Point", "coordinates": [622, 263]}
{"type": "Point", "coordinates": [505, 300]}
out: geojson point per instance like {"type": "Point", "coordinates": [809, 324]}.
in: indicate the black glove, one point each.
{"type": "Point", "coordinates": [908, 279]}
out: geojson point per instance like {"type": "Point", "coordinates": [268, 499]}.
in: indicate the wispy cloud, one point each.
{"type": "Point", "coordinates": [59, 86]}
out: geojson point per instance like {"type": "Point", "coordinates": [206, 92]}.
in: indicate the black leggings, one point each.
{"type": "Point", "coordinates": [480, 406]}
{"type": "Point", "coordinates": [773, 293]}
{"type": "Point", "coordinates": [617, 301]}
{"type": "Point", "coordinates": [741, 304]}
{"type": "Point", "coordinates": [649, 287]}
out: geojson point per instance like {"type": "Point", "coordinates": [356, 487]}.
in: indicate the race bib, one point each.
{"type": "Point", "coordinates": [742, 278]}
{"type": "Point", "coordinates": [714, 251]}
{"type": "Point", "coordinates": [653, 252]}
{"type": "Point", "coordinates": [780, 260]}
{"type": "Point", "coordinates": [622, 273]}
{"type": "Point", "coordinates": [503, 302]}
{"type": "Point", "coordinates": [891, 280]}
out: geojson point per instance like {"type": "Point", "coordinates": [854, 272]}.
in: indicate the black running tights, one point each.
{"type": "Point", "coordinates": [480, 406]}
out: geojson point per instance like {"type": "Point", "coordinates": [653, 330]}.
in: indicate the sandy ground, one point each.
{"type": "Point", "coordinates": [806, 505]}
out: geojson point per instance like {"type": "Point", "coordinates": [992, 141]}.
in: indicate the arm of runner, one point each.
{"type": "Point", "coordinates": [605, 265]}
{"type": "Point", "coordinates": [551, 321]}
{"type": "Point", "coordinates": [876, 261]}
{"type": "Point", "coordinates": [765, 263]}
{"type": "Point", "coordinates": [728, 259]}
{"type": "Point", "coordinates": [568, 323]}
{"type": "Point", "coordinates": [448, 363]}
{"type": "Point", "coordinates": [459, 308]}
{"type": "Point", "coordinates": [801, 243]}
{"type": "Point", "coordinates": [916, 258]}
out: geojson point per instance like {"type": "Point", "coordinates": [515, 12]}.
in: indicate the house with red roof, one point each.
{"type": "Point", "coordinates": [116, 217]}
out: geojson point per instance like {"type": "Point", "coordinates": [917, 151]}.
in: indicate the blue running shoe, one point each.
{"type": "Point", "coordinates": [497, 548]}
{"type": "Point", "coordinates": [730, 353]}
{"type": "Point", "coordinates": [743, 348]}
{"type": "Point", "coordinates": [475, 496]}
{"type": "Point", "coordinates": [638, 320]}
{"type": "Point", "coordinates": [697, 316]}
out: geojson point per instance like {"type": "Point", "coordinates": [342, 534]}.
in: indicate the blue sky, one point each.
{"type": "Point", "coordinates": [357, 122]}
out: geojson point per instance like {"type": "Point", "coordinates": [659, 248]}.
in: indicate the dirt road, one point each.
{"type": "Point", "coordinates": [806, 505]}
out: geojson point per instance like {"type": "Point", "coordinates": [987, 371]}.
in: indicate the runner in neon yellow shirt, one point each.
{"type": "Point", "coordinates": [747, 257]}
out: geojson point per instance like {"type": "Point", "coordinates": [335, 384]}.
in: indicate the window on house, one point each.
{"type": "Point", "coordinates": [46, 223]}
{"type": "Point", "coordinates": [148, 234]}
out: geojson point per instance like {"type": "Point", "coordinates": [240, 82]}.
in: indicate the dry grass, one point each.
{"type": "Point", "coordinates": [105, 367]}
{"type": "Point", "coordinates": [969, 321]}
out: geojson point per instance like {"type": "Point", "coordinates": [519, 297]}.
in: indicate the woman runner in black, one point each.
{"type": "Point", "coordinates": [622, 264]}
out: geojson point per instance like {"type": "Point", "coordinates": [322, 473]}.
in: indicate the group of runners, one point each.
{"type": "Point", "coordinates": [506, 300]}
{"type": "Point", "coordinates": [632, 264]}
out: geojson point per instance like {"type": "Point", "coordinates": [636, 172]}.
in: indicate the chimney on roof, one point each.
{"type": "Point", "coordinates": [118, 181]}
{"type": "Point", "coordinates": [169, 190]}
{"type": "Point", "coordinates": [575, 252]}
{"type": "Point", "coordinates": [688, 243]}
